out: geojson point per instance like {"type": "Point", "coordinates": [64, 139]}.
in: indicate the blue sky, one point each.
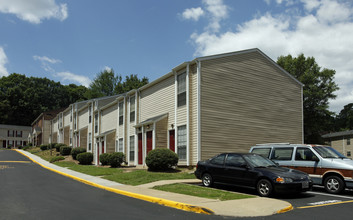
{"type": "Point", "coordinates": [72, 40]}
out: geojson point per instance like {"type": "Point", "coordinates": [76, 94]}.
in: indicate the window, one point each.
{"type": "Point", "coordinates": [89, 114]}
{"type": "Point", "coordinates": [10, 133]}
{"type": "Point", "coordinates": [132, 148]}
{"type": "Point", "coordinates": [70, 136]}
{"type": "Point", "coordinates": [121, 113]}
{"type": "Point", "coordinates": [18, 133]}
{"type": "Point", "coordinates": [120, 146]}
{"type": "Point", "coordinates": [181, 89]}
{"type": "Point", "coordinates": [265, 152]}
{"type": "Point", "coordinates": [132, 109]}
{"type": "Point", "coordinates": [96, 123]}
{"type": "Point", "coordinates": [348, 153]}
{"type": "Point", "coordinates": [282, 153]}
{"type": "Point", "coordinates": [89, 141]}
{"type": "Point", "coordinates": [182, 142]}
{"type": "Point", "coordinates": [348, 141]}
{"type": "Point", "coordinates": [218, 160]}
{"type": "Point", "coordinates": [75, 125]}
{"type": "Point", "coordinates": [305, 154]}
{"type": "Point", "coordinates": [234, 160]}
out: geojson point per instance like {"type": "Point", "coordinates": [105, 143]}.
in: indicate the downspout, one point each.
{"type": "Point", "coordinates": [187, 117]}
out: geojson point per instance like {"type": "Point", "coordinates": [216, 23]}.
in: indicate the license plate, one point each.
{"type": "Point", "coordinates": [305, 184]}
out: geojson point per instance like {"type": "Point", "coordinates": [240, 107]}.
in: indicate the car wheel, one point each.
{"type": "Point", "coordinates": [333, 184]}
{"type": "Point", "coordinates": [207, 180]}
{"type": "Point", "coordinates": [264, 188]}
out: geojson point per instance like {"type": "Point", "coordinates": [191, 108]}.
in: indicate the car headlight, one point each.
{"type": "Point", "coordinates": [284, 180]}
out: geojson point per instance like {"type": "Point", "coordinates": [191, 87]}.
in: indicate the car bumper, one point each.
{"type": "Point", "coordinates": [197, 174]}
{"type": "Point", "coordinates": [292, 187]}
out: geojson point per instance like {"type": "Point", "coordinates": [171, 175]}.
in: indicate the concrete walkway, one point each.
{"type": "Point", "coordinates": [258, 206]}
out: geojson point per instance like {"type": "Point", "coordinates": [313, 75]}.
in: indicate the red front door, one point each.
{"type": "Point", "coordinates": [97, 153]}
{"type": "Point", "coordinates": [172, 140]}
{"type": "Point", "coordinates": [139, 148]}
{"type": "Point", "coordinates": [102, 147]}
{"type": "Point", "coordinates": [149, 141]}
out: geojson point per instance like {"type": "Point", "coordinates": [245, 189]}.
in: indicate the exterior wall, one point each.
{"type": "Point", "coordinates": [83, 137]}
{"type": "Point", "coordinates": [67, 118]}
{"type": "Point", "coordinates": [343, 146]}
{"type": "Point", "coordinates": [246, 100]}
{"type": "Point", "coordinates": [83, 118]}
{"type": "Point", "coordinates": [66, 135]}
{"type": "Point", "coordinates": [157, 100]}
{"type": "Point", "coordinates": [46, 131]}
{"type": "Point", "coordinates": [55, 137]}
{"type": "Point", "coordinates": [110, 142]}
{"type": "Point", "coordinates": [193, 129]}
{"type": "Point", "coordinates": [109, 118]}
{"type": "Point", "coordinates": [161, 132]}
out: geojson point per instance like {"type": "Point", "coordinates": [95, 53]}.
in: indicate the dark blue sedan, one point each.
{"type": "Point", "coordinates": [252, 170]}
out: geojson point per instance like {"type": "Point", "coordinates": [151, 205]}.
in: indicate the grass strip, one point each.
{"type": "Point", "coordinates": [194, 190]}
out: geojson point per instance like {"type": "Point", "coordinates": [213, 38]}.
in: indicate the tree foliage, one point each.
{"type": "Point", "coordinates": [344, 120]}
{"type": "Point", "coordinates": [107, 84]}
{"type": "Point", "coordinates": [319, 87]}
{"type": "Point", "coordinates": [23, 99]}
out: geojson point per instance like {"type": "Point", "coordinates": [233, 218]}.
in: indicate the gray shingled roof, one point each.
{"type": "Point", "coordinates": [338, 134]}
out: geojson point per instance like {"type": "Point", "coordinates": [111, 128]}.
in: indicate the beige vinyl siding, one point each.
{"type": "Point", "coordinates": [66, 135]}
{"type": "Point", "coordinates": [66, 118]}
{"type": "Point", "coordinates": [162, 133]}
{"type": "Point", "coordinates": [82, 118]}
{"type": "Point", "coordinates": [340, 144]}
{"type": "Point", "coordinates": [83, 137]}
{"type": "Point", "coordinates": [109, 118]}
{"type": "Point", "coordinates": [193, 114]}
{"type": "Point", "coordinates": [158, 99]}
{"type": "Point", "coordinates": [110, 142]}
{"type": "Point", "coordinates": [246, 100]}
{"type": "Point", "coordinates": [54, 125]}
{"type": "Point", "coordinates": [55, 137]}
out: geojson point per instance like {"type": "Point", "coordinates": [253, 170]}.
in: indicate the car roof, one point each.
{"type": "Point", "coordinates": [285, 145]}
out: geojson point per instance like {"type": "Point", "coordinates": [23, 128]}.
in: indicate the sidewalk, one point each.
{"type": "Point", "coordinates": [258, 206]}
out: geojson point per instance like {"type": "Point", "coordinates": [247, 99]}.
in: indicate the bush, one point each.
{"type": "Point", "coordinates": [9, 146]}
{"type": "Point", "coordinates": [161, 159]}
{"type": "Point", "coordinates": [65, 150]}
{"type": "Point", "coordinates": [104, 159]}
{"type": "Point", "coordinates": [57, 146]}
{"type": "Point", "coordinates": [27, 147]}
{"type": "Point", "coordinates": [77, 150]}
{"type": "Point", "coordinates": [116, 159]}
{"type": "Point", "coordinates": [20, 147]}
{"type": "Point", "coordinates": [43, 147]}
{"type": "Point", "coordinates": [56, 158]}
{"type": "Point", "coordinates": [85, 158]}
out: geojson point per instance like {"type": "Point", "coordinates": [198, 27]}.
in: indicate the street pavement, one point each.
{"type": "Point", "coordinates": [236, 208]}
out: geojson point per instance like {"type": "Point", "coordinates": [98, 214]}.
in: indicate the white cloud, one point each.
{"type": "Point", "coordinates": [46, 62]}
{"type": "Point", "coordinates": [34, 11]}
{"type": "Point", "coordinates": [193, 13]}
{"type": "Point", "coordinates": [108, 69]}
{"type": "Point", "coordinates": [323, 30]}
{"type": "Point", "coordinates": [3, 62]}
{"type": "Point", "coordinates": [217, 11]}
{"type": "Point", "coordinates": [70, 77]}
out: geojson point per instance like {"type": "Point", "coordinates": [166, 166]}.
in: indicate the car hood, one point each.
{"type": "Point", "coordinates": [284, 172]}
{"type": "Point", "coordinates": [338, 163]}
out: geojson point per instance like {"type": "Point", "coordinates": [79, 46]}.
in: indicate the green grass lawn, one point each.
{"type": "Point", "coordinates": [193, 190]}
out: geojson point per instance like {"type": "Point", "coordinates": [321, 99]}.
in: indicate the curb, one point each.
{"type": "Point", "coordinates": [164, 202]}
{"type": "Point", "coordinates": [287, 209]}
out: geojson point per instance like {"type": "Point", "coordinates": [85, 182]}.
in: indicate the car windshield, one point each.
{"type": "Point", "coordinates": [328, 152]}
{"type": "Point", "coordinates": [258, 161]}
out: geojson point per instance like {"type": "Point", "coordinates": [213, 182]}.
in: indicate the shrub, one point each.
{"type": "Point", "coordinates": [43, 147]}
{"type": "Point", "coordinates": [65, 150]}
{"type": "Point", "coordinates": [27, 147]}
{"type": "Point", "coordinates": [116, 159]}
{"type": "Point", "coordinates": [77, 150]}
{"type": "Point", "coordinates": [9, 146]}
{"type": "Point", "coordinates": [104, 159]}
{"type": "Point", "coordinates": [20, 147]}
{"type": "Point", "coordinates": [85, 158]}
{"type": "Point", "coordinates": [56, 158]}
{"type": "Point", "coordinates": [161, 159]}
{"type": "Point", "coordinates": [58, 146]}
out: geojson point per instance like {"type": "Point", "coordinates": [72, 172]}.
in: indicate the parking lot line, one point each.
{"type": "Point", "coordinates": [5, 161]}
{"type": "Point", "coordinates": [314, 206]}
{"type": "Point", "coordinates": [332, 195]}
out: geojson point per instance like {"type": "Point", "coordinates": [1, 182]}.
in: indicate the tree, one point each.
{"type": "Point", "coordinates": [344, 120]}
{"type": "Point", "coordinates": [103, 85]}
{"type": "Point", "coordinates": [319, 87]}
{"type": "Point", "coordinates": [23, 99]}
{"type": "Point", "coordinates": [131, 82]}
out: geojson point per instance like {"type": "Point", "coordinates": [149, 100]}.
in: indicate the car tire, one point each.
{"type": "Point", "coordinates": [207, 180]}
{"type": "Point", "coordinates": [264, 188]}
{"type": "Point", "coordinates": [333, 184]}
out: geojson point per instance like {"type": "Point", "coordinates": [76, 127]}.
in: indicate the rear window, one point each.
{"type": "Point", "coordinates": [218, 160]}
{"type": "Point", "coordinates": [282, 154]}
{"type": "Point", "coordinates": [265, 152]}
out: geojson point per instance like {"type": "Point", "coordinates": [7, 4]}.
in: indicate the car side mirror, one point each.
{"type": "Point", "coordinates": [315, 158]}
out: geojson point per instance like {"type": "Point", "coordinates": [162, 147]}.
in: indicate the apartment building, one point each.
{"type": "Point", "coordinates": [341, 141]}
{"type": "Point", "coordinates": [14, 135]}
{"type": "Point", "coordinates": [213, 104]}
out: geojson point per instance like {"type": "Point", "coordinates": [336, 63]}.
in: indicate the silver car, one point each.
{"type": "Point", "coordinates": [324, 164]}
